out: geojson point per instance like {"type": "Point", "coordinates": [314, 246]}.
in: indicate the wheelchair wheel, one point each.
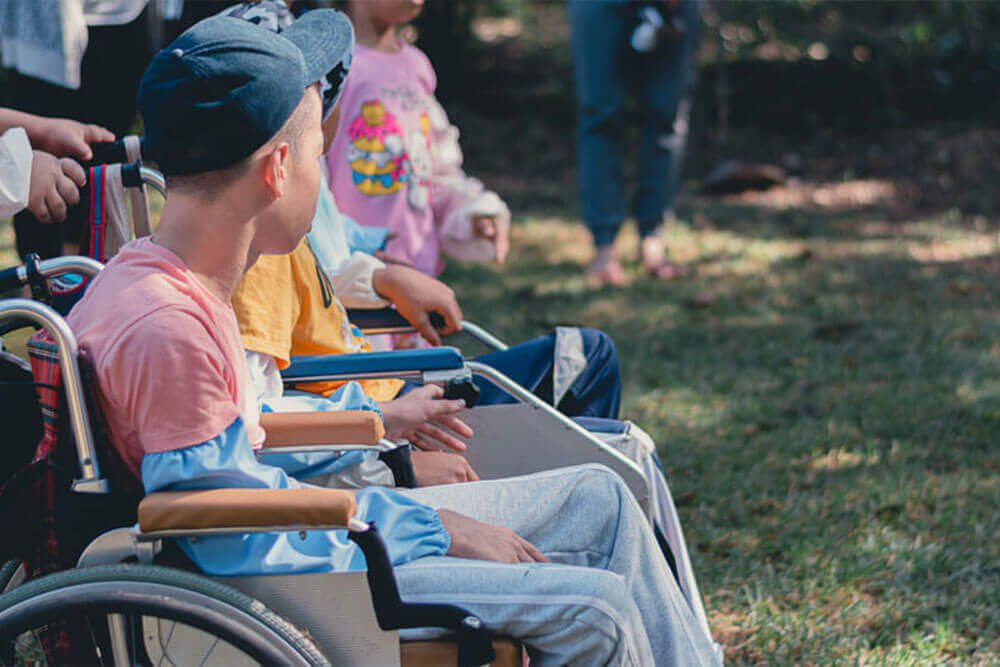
{"type": "Point", "coordinates": [137, 614]}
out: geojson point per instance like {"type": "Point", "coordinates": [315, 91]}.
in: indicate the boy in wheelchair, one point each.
{"type": "Point", "coordinates": [563, 560]}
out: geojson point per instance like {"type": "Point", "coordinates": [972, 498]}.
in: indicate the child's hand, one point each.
{"type": "Point", "coordinates": [489, 227]}
{"type": "Point", "coordinates": [426, 420]}
{"type": "Point", "coordinates": [67, 138]}
{"type": "Point", "coordinates": [55, 185]}
{"type": "Point", "coordinates": [432, 468]}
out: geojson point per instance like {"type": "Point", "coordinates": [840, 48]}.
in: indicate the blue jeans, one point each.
{"type": "Point", "coordinates": [602, 59]}
{"type": "Point", "coordinates": [606, 598]}
{"type": "Point", "coordinates": [595, 393]}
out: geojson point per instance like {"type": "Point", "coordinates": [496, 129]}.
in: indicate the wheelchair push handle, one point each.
{"type": "Point", "coordinates": [16, 276]}
{"type": "Point", "coordinates": [111, 152]}
{"type": "Point", "coordinates": [13, 277]}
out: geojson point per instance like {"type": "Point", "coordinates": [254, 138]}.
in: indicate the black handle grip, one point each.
{"type": "Point", "coordinates": [107, 153]}
{"type": "Point", "coordinates": [9, 279]}
{"type": "Point", "coordinates": [465, 389]}
{"type": "Point", "coordinates": [386, 318]}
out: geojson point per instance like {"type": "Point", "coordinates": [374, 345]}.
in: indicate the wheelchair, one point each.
{"type": "Point", "coordinates": [117, 590]}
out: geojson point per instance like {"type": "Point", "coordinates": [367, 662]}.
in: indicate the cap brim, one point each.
{"type": "Point", "coordinates": [323, 36]}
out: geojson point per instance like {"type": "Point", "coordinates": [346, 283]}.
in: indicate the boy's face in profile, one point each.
{"type": "Point", "coordinates": [291, 216]}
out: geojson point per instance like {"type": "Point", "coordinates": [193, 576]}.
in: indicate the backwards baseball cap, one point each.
{"type": "Point", "coordinates": [224, 87]}
{"type": "Point", "coordinates": [274, 15]}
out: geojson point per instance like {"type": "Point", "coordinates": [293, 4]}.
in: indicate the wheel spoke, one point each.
{"type": "Point", "coordinates": [93, 639]}
{"type": "Point", "coordinates": [210, 649]}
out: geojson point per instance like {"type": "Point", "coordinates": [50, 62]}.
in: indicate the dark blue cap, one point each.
{"type": "Point", "coordinates": [223, 88]}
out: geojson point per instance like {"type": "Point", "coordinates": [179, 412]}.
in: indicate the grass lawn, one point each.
{"type": "Point", "coordinates": [824, 393]}
{"type": "Point", "coordinates": [824, 390]}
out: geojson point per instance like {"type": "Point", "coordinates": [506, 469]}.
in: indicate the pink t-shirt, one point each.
{"type": "Point", "coordinates": [380, 161]}
{"type": "Point", "coordinates": [167, 354]}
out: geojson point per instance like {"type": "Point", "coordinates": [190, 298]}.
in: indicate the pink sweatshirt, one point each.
{"type": "Point", "coordinates": [396, 162]}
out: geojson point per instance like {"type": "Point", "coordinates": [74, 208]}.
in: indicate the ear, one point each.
{"type": "Point", "coordinates": [276, 168]}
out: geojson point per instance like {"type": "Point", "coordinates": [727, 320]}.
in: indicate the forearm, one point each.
{"type": "Point", "coordinates": [31, 123]}
{"type": "Point", "coordinates": [384, 284]}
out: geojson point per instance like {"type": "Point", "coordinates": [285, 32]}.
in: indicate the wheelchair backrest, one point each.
{"type": "Point", "coordinates": [73, 486]}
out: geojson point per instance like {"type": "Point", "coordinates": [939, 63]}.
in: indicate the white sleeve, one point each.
{"type": "Point", "coordinates": [15, 171]}
{"type": "Point", "coordinates": [265, 376]}
{"type": "Point", "coordinates": [352, 282]}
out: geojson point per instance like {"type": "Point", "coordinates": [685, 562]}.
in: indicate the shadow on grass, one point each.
{"type": "Point", "coordinates": [826, 412]}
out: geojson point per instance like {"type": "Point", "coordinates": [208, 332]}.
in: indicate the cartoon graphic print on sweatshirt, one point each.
{"type": "Point", "coordinates": [382, 161]}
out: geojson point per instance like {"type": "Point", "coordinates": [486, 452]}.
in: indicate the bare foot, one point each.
{"type": "Point", "coordinates": [654, 260]}
{"type": "Point", "coordinates": [606, 268]}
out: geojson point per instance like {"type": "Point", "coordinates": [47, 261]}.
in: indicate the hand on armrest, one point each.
{"type": "Point", "coordinates": [416, 296]}
{"type": "Point", "coordinates": [296, 429]}
{"type": "Point", "coordinates": [426, 419]}
{"type": "Point", "coordinates": [245, 508]}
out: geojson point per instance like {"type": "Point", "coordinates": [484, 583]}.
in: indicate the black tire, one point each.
{"type": "Point", "coordinates": [148, 591]}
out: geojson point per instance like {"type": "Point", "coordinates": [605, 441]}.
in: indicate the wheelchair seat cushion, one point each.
{"type": "Point", "coordinates": [245, 508]}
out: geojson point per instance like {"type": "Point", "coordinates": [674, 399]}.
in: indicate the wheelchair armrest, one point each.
{"type": "Point", "coordinates": [212, 509]}
{"type": "Point", "coordinates": [177, 513]}
{"type": "Point", "coordinates": [297, 429]}
{"type": "Point", "coordinates": [372, 364]}
{"type": "Point", "coordinates": [385, 320]}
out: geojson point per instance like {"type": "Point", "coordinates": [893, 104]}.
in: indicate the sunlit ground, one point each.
{"type": "Point", "coordinates": [826, 396]}
{"type": "Point", "coordinates": [825, 391]}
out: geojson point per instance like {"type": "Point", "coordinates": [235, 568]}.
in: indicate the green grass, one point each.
{"type": "Point", "coordinates": [824, 392]}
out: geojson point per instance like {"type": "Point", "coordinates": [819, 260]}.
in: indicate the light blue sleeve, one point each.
{"type": "Point", "coordinates": [334, 236]}
{"type": "Point", "coordinates": [410, 530]}
{"type": "Point", "coordinates": [349, 396]}
{"type": "Point", "coordinates": [362, 238]}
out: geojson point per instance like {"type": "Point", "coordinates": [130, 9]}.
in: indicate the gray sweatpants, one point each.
{"type": "Point", "coordinates": [607, 598]}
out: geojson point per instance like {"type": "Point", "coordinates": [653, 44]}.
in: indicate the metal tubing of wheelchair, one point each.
{"type": "Point", "coordinates": [154, 179]}
{"type": "Point", "coordinates": [51, 268]}
{"type": "Point", "coordinates": [525, 396]}
{"type": "Point", "coordinates": [90, 474]}
{"type": "Point", "coordinates": [117, 637]}
{"type": "Point", "coordinates": [483, 336]}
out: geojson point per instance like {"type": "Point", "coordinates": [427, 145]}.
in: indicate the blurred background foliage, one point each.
{"type": "Point", "coordinates": [906, 91]}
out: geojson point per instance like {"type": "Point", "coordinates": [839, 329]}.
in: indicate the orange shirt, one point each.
{"type": "Point", "coordinates": [285, 307]}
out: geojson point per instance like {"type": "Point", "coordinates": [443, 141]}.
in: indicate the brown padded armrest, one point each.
{"type": "Point", "coordinates": [245, 508]}
{"type": "Point", "coordinates": [348, 427]}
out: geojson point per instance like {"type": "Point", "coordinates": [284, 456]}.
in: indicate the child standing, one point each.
{"type": "Point", "coordinates": [396, 161]}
